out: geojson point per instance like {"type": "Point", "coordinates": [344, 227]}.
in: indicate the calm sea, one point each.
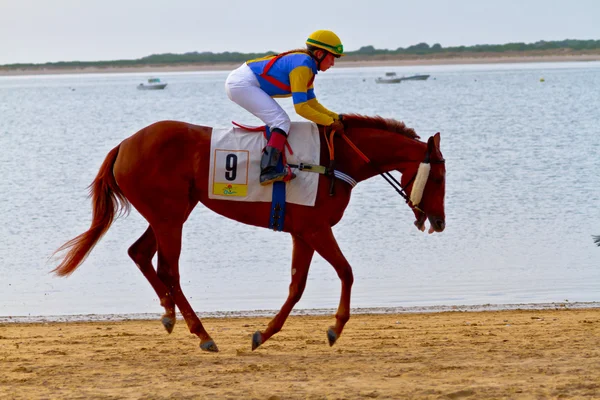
{"type": "Point", "coordinates": [523, 192]}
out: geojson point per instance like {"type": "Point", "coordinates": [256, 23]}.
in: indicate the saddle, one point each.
{"type": "Point", "coordinates": [235, 166]}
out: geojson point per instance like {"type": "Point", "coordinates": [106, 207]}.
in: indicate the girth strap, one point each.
{"type": "Point", "coordinates": [277, 216]}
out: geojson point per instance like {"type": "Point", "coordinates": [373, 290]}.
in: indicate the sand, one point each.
{"type": "Point", "coordinates": [376, 61]}
{"type": "Point", "coordinates": [518, 354]}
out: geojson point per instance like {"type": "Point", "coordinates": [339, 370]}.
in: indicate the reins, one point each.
{"type": "Point", "coordinates": [333, 174]}
{"type": "Point", "coordinates": [386, 175]}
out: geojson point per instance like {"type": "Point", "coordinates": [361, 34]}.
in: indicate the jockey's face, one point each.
{"type": "Point", "coordinates": [328, 61]}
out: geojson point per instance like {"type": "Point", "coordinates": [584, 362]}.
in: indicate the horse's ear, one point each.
{"type": "Point", "coordinates": [433, 142]}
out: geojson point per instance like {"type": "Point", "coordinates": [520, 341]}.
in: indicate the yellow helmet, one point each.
{"type": "Point", "coordinates": [326, 40]}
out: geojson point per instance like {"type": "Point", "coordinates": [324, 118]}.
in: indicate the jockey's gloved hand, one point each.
{"type": "Point", "coordinates": [337, 126]}
{"type": "Point", "coordinates": [341, 117]}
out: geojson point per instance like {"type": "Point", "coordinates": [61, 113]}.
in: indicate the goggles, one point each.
{"type": "Point", "coordinates": [337, 50]}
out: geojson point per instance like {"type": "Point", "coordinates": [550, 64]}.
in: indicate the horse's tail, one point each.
{"type": "Point", "coordinates": [108, 202]}
{"type": "Point", "coordinates": [597, 240]}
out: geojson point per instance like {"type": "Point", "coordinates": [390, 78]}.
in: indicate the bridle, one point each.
{"type": "Point", "coordinates": [401, 190]}
{"type": "Point", "coordinates": [387, 175]}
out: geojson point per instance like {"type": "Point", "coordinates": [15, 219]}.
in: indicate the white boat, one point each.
{"type": "Point", "coordinates": [390, 77]}
{"type": "Point", "coordinates": [415, 78]}
{"type": "Point", "coordinates": [152, 84]}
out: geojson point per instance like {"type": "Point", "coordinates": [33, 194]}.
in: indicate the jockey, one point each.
{"type": "Point", "coordinates": [256, 82]}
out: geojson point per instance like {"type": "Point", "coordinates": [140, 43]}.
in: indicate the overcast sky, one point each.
{"type": "Point", "coordinates": [37, 31]}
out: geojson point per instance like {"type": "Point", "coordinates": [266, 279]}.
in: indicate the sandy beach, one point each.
{"type": "Point", "coordinates": [349, 62]}
{"type": "Point", "coordinates": [516, 354]}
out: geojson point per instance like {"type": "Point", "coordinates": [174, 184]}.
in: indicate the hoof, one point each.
{"type": "Point", "coordinates": [256, 340]}
{"type": "Point", "coordinates": [331, 336]}
{"type": "Point", "coordinates": [209, 346]}
{"type": "Point", "coordinates": [168, 323]}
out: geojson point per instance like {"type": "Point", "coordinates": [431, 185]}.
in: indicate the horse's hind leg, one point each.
{"type": "Point", "coordinates": [301, 257]}
{"type": "Point", "coordinates": [168, 236]}
{"type": "Point", "coordinates": [142, 252]}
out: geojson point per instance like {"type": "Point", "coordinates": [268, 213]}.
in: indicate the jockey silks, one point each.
{"type": "Point", "coordinates": [293, 74]}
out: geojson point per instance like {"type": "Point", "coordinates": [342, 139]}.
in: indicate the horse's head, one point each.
{"type": "Point", "coordinates": [385, 145]}
{"type": "Point", "coordinates": [426, 185]}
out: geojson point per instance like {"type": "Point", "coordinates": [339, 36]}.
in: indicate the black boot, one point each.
{"type": "Point", "coordinates": [270, 158]}
{"type": "Point", "coordinates": [268, 167]}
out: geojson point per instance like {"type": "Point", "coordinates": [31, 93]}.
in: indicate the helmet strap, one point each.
{"type": "Point", "coordinates": [319, 60]}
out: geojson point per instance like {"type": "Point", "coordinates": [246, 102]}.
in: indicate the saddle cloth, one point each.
{"type": "Point", "coordinates": [235, 164]}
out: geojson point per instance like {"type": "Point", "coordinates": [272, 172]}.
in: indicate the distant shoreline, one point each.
{"type": "Point", "coordinates": [33, 319]}
{"type": "Point", "coordinates": [376, 62]}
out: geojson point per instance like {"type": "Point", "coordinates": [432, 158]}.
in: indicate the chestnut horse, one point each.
{"type": "Point", "coordinates": [162, 171]}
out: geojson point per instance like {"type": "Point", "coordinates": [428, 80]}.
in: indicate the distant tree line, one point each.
{"type": "Point", "coordinates": [421, 49]}
{"type": "Point", "coordinates": [424, 48]}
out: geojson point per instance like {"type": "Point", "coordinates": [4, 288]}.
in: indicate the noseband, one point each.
{"type": "Point", "coordinates": [420, 178]}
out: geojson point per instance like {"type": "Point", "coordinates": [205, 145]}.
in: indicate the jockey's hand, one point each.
{"type": "Point", "coordinates": [337, 126]}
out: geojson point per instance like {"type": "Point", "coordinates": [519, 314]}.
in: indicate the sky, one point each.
{"type": "Point", "coordinates": [39, 31]}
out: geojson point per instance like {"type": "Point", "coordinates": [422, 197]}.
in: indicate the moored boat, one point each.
{"type": "Point", "coordinates": [152, 84]}
{"type": "Point", "coordinates": [415, 78]}
{"type": "Point", "coordinates": [390, 77]}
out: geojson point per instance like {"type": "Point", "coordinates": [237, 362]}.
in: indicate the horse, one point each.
{"type": "Point", "coordinates": [162, 171]}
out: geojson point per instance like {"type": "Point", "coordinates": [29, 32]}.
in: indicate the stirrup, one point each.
{"type": "Point", "coordinates": [267, 177]}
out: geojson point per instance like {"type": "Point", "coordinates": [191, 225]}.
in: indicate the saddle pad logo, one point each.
{"type": "Point", "coordinates": [231, 173]}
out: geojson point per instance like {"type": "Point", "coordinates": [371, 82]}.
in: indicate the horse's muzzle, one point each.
{"type": "Point", "coordinates": [437, 224]}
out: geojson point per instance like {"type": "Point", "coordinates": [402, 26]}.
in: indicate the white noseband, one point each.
{"type": "Point", "coordinates": [419, 186]}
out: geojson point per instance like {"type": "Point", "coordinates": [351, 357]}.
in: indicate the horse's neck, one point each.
{"type": "Point", "coordinates": [386, 151]}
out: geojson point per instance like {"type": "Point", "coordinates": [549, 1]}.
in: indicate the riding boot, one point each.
{"type": "Point", "coordinates": [270, 158]}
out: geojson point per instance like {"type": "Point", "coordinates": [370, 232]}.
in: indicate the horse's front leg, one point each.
{"type": "Point", "coordinates": [325, 244]}
{"type": "Point", "coordinates": [302, 255]}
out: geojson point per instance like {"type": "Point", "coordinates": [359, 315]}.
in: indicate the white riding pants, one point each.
{"type": "Point", "coordinates": [243, 88]}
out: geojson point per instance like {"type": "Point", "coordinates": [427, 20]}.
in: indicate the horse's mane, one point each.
{"type": "Point", "coordinates": [378, 122]}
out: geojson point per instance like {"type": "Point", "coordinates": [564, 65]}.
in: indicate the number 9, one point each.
{"type": "Point", "coordinates": [231, 167]}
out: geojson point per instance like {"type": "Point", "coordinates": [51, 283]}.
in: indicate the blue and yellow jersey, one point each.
{"type": "Point", "coordinates": [294, 72]}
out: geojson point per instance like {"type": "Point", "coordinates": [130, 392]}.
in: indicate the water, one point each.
{"type": "Point", "coordinates": [523, 191]}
